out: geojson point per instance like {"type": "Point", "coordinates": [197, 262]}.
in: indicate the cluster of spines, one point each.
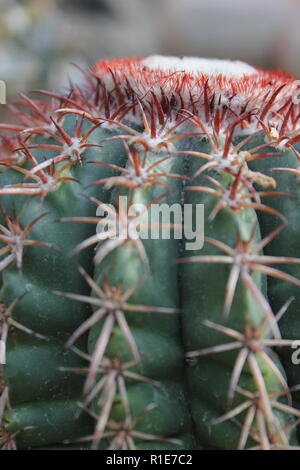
{"type": "Point", "coordinates": [109, 108]}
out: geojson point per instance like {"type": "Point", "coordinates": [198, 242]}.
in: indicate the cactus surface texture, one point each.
{"type": "Point", "coordinates": [182, 339]}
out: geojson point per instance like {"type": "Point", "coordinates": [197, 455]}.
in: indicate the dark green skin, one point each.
{"type": "Point", "coordinates": [202, 296]}
{"type": "Point", "coordinates": [33, 369]}
{"type": "Point", "coordinates": [50, 422]}
{"type": "Point", "coordinates": [287, 243]}
{"type": "Point", "coordinates": [158, 335]}
{"type": "Point", "coordinates": [188, 397]}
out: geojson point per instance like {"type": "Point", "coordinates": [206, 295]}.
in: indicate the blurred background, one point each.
{"type": "Point", "coordinates": [40, 39]}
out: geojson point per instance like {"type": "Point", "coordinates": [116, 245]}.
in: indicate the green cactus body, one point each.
{"type": "Point", "coordinates": [117, 340]}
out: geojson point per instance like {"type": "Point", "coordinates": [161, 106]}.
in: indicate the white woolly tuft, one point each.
{"type": "Point", "coordinates": [195, 65]}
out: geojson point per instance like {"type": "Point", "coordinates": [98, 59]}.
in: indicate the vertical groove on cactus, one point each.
{"type": "Point", "coordinates": [115, 340]}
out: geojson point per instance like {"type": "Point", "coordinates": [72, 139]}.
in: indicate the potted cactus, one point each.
{"type": "Point", "coordinates": [186, 338]}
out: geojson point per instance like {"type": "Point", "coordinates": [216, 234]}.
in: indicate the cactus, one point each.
{"type": "Point", "coordinates": [114, 340]}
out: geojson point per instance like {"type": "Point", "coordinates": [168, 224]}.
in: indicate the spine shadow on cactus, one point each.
{"type": "Point", "coordinates": [135, 343]}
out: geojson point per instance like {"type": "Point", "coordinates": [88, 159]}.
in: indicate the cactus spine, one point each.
{"type": "Point", "coordinates": [114, 341]}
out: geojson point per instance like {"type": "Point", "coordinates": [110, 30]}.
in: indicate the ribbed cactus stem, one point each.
{"type": "Point", "coordinates": [115, 340]}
